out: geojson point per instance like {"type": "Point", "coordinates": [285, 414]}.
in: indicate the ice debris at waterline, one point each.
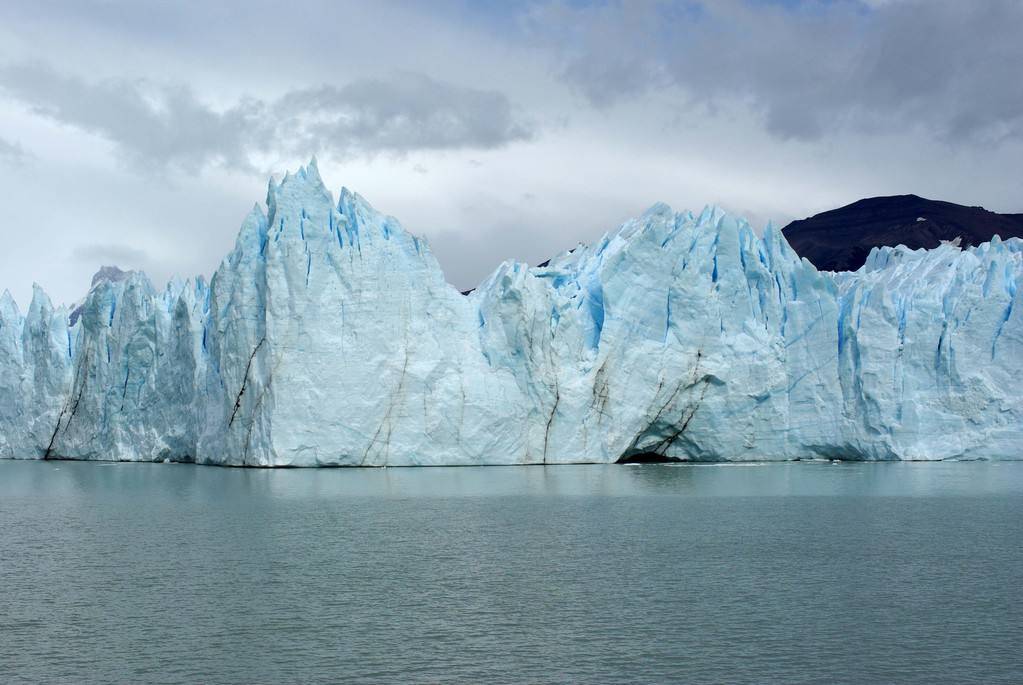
{"type": "Point", "coordinates": [329, 336]}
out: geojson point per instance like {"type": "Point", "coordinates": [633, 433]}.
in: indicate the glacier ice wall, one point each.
{"type": "Point", "coordinates": [328, 336]}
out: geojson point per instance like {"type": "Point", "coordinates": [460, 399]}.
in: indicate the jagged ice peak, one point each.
{"type": "Point", "coordinates": [329, 336]}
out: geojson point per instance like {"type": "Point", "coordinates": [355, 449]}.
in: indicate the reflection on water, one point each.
{"type": "Point", "coordinates": [796, 572]}
{"type": "Point", "coordinates": [819, 478]}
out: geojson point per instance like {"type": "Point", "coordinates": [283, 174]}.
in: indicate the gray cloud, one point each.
{"type": "Point", "coordinates": [151, 125]}
{"type": "Point", "coordinates": [807, 68]}
{"type": "Point", "coordinates": [606, 49]}
{"type": "Point", "coordinates": [11, 153]}
{"type": "Point", "coordinates": [406, 112]}
{"type": "Point", "coordinates": [125, 256]}
{"type": "Point", "coordinates": [156, 125]}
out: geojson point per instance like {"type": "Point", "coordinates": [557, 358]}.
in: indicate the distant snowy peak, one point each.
{"type": "Point", "coordinates": [111, 274]}
{"type": "Point", "coordinates": [106, 274]}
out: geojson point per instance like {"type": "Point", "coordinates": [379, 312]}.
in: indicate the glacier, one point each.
{"type": "Point", "coordinates": [329, 336]}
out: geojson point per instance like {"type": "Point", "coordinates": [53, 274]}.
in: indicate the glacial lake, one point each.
{"type": "Point", "coordinates": [798, 572]}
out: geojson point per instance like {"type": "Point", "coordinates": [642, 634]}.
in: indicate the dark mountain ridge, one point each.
{"type": "Point", "coordinates": [840, 239]}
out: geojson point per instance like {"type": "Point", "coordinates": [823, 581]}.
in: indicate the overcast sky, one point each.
{"type": "Point", "coordinates": [139, 134]}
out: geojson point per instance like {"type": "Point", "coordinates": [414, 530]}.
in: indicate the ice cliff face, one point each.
{"type": "Point", "coordinates": [329, 336]}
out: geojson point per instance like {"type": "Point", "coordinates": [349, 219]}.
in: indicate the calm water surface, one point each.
{"type": "Point", "coordinates": [800, 572]}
